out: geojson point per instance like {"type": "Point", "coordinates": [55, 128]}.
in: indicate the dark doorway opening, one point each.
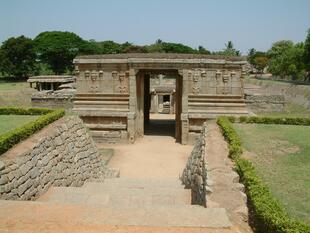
{"type": "Point", "coordinates": [161, 103]}
{"type": "Point", "coordinates": [166, 98]}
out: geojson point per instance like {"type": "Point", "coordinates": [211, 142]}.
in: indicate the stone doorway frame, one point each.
{"type": "Point", "coordinates": [143, 99]}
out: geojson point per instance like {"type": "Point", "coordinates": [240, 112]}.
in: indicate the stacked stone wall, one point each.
{"type": "Point", "coordinates": [194, 175]}
{"type": "Point", "coordinates": [53, 99]}
{"type": "Point", "coordinates": [265, 103]}
{"type": "Point", "coordinates": [65, 156]}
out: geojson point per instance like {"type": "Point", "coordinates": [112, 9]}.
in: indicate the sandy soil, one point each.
{"type": "Point", "coordinates": [224, 181]}
{"type": "Point", "coordinates": [152, 157]}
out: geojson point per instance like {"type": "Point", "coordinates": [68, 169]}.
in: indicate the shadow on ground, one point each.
{"type": "Point", "coordinates": [160, 127]}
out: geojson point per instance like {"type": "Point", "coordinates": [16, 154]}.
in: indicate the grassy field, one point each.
{"type": "Point", "coordinates": [8, 122]}
{"type": "Point", "coordinates": [290, 110]}
{"type": "Point", "coordinates": [281, 154]}
{"type": "Point", "coordinates": [15, 94]}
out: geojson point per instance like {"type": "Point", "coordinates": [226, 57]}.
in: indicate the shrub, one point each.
{"type": "Point", "coordinates": [9, 139]}
{"type": "Point", "coordinates": [268, 215]}
{"type": "Point", "coordinates": [242, 119]}
{"type": "Point", "coordinates": [232, 119]}
{"type": "Point", "coordinates": [275, 120]}
{"type": "Point", "coordinates": [24, 111]}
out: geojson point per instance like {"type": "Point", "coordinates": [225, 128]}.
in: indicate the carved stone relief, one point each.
{"type": "Point", "coordinates": [94, 85]}
{"type": "Point", "coordinates": [122, 78]}
{"type": "Point", "coordinates": [196, 85]}
{"type": "Point", "coordinates": [197, 77]}
{"type": "Point", "coordinates": [223, 81]}
{"type": "Point", "coordinates": [93, 79]}
{"type": "Point", "coordinates": [76, 70]}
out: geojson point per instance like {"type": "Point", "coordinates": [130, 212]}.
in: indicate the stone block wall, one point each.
{"type": "Point", "coordinates": [194, 175]}
{"type": "Point", "coordinates": [64, 156]}
{"type": "Point", "coordinates": [265, 103]}
{"type": "Point", "coordinates": [53, 99]}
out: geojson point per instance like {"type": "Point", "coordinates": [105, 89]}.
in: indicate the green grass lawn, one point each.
{"type": "Point", "coordinates": [15, 94]}
{"type": "Point", "coordinates": [281, 155]}
{"type": "Point", "coordinates": [290, 110]}
{"type": "Point", "coordinates": [9, 86]}
{"type": "Point", "coordinates": [8, 122]}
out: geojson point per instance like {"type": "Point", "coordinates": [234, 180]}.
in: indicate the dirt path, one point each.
{"type": "Point", "coordinates": [151, 157]}
{"type": "Point", "coordinates": [227, 192]}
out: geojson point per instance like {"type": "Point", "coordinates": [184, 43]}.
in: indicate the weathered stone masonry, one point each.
{"type": "Point", "coordinates": [66, 157]}
{"type": "Point", "coordinates": [194, 175]}
{"type": "Point", "coordinates": [113, 92]}
{"type": "Point", "coordinates": [265, 103]}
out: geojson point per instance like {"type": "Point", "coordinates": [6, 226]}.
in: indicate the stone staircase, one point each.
{"type": "Point", "coordinates": [216, 105]}
{"type": "Point", "coordinates": [133, 202]}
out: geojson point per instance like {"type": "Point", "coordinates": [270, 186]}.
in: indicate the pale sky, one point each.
{"type": "Point", "coordinates": [210, 23]}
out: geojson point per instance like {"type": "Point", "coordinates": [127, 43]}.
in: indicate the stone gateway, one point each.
{"type": "Point", "coordinates": [113, 92]}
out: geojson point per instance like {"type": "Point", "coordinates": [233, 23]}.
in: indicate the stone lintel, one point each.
{"type": "Point", "coordinates": [155, 61]}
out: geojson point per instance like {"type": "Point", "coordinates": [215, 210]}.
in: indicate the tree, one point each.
{"type": "Point", "coordinates": [17, 57]}
{"type": "Point", "coordinates": [134, 49]}
{"type": "Point", "coordinates": [105, 47]}
{"type": "Point", "coordinates": [202, 50]}
{"type": "Point", "coordinates": [306, 55]}
{"type": "Point", "coordinates": [260, 62]}
{"type": "Point", "coordinates": [229, 50]}
{"type": "Point", "coordinates": [58, 49]}
{"type": "Point", "coordinates": [167, 47]}
{"type": "Point", "coordinates": [257, 59]}
{"type": "Point", "coordinates": [286, 59]}
{"type": "Point", "coordinates": [251, 56]}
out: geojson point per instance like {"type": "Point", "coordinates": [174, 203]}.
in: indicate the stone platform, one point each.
{"type": "Point", "coordinates": [139, 203]}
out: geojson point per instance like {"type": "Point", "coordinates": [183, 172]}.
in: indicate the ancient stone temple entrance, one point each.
{"type": "Point", "coordinates": [159, 102]}
{"type": "Point", "coordinates": [114, 98]}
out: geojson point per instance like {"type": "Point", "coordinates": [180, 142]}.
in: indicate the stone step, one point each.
{"type": "Point", "coordinates": [114, 183]}
{"type": "Point", "coordinates": [217, 104]}
{"type": "Point", "coordinates": [138, 183]}
{"type": "Point", "coordinates": [215, 108]}
{"type": "Point", "coordinates": [194, 113]}
{"type": "Point", "coordinates": [157, 216]}
{"type": "Point", "coordinates": [208, 100]}
{"type": "Point", "coordinates": [218, 96]}
{"type": "Point", "coordinates": [117, 196]}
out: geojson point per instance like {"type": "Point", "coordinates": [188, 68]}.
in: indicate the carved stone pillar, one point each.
{"type": "Point", "coordinates": [243, 74]}
{"type": "Point", "coordinates": [183, 115]}
{"type": "Point", "coordinates": [185, 91]}
{"type": "Point", "coordinates": [184, 128]}
{"type": "Point", "coordinates": [132, 106]}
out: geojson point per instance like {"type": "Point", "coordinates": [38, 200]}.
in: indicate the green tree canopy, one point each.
{"type": "Point", "coordinates": [306, 55]}
{"type": "Point", "coordinates": [202, 50]}
{"type": "Point", "coordinates": [17, 57]}
{"type": "Point", "coordinates": [229, 50]}
{"type": "Point", "coordinates": [167, 47]}
{"type": "Point", "coordinates": [58, 49]}
{"type": "Point", "coordinates": [286, 59]}
{"type": "Point", "coordinates": [105, 47]}
{"type": "Point", "coordinates": [257, 59]}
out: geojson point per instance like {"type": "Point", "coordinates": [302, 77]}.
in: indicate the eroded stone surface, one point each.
{"type": "Point", "coordinates": [227, 192]}
{"type": "Point", "coordinates": [65, 156]}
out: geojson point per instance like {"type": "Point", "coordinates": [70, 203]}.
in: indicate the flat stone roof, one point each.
{"type": "Point", "coordinates": [158, 58]}
{"type": "Point", "coordinates": [51, 79]}
{"type": "Point", "coordinates": [161, 56]}
{"type": "Point", "coordinates": [163, 89]}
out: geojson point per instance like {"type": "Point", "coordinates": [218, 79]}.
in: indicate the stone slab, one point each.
{"type": "Point", "coordinates": [127, 182]}
{"type": "Point", "coordinates": [176, 216]}
{"type": "Point", "coordinates": [117, 196]}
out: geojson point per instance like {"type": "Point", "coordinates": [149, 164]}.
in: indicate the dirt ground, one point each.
{"type": "Point", "coordinates": [160, 157]}
{"type": "Point", "coordinates": [151, 157]}
{"type": "Point", "coordinates": [224, 180]}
